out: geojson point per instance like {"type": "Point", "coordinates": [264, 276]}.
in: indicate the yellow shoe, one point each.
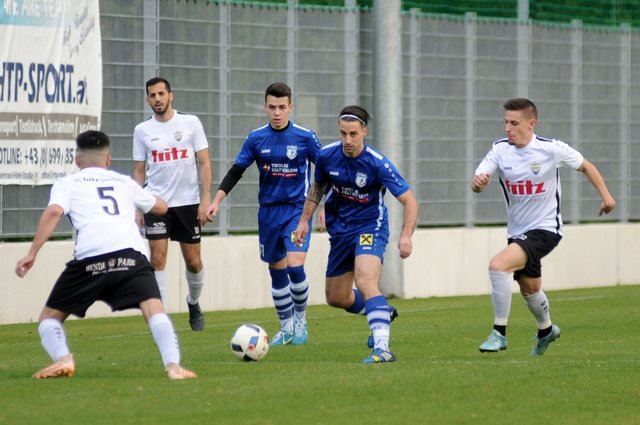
{"type": "Point", "coordinates": [64, 367]}
{"type": "Point", "coordinates": [175, 371]}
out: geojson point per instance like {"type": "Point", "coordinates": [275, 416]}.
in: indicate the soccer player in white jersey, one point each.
{"type": "Point", "coordinates": [527, 169]}
{"type": "Point", "coordinates": [282, 151]}
{"type": "Point", "coordinates": [355, 178]}
{"type": "Point", "coordinates": [109, 261]}
{"type": "Point", "coordinates": [170, 149]}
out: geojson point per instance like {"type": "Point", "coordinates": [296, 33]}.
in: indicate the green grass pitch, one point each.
{"type": "Point", "coordinates": [591, 375]}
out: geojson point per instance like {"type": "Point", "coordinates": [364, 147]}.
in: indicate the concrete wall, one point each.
{"type": "Point", "coordinates": [445, 262]}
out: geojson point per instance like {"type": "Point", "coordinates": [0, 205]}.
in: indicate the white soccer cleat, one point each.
{"type": "Point", "coordinates": [177, 372]}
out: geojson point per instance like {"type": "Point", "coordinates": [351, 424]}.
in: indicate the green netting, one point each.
{"type": "Point", "coordinates": [590, 12]}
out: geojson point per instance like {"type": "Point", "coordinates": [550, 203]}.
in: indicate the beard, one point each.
{"type": "Point", "coordinates": [160, 109]}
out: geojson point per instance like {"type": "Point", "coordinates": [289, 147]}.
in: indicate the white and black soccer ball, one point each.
{"type": "Point", "coordinates": [250, 342]}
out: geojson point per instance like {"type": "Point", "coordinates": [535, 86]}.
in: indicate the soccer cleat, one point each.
{"type": "Point", "coordinates": [300, 334]}
{"type": "Point", "coordinates": [176, 372]}
{"type": "Point", "coordinates": [380, 356]}
{"type": "Point", "coordinates": [196, 319]}
{"type": "Point", "coordinates": [542, 343]}
{"type": "Point", "coordinates": [281, 338]}
{"type": "Point", "coordinates": [494, 343]}
{"type": "Point", "coordinates": [394, 314]}
{"type": "Point", "coordinates": [65, 367]}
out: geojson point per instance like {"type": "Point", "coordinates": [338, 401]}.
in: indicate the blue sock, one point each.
{"type": "Point", "coordinates": [282, 297]}
{"type": "Point", "coordinates": [358, 304]}
{"type": "Point", "coordinates": [299, 291]}
{"type": "Point", "coordinates": [379, 318]}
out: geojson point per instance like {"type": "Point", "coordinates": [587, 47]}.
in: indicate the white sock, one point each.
{"type": "Point", "coordinates": [500, 296]}
{"type": "Point", "coordinates": [165, 338]}
{"type": "Point", "coordinates": [53, 338]}
{"type": "Point", "coordinates": [195, 282]}
{"type": "Point", "coordinates": [161, 278]}
{"type": "Point", "coordinates": [539, 305]}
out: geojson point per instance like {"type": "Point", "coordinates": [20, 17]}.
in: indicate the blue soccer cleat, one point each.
{"type": "Point", "coordinates": [394, 314]}
{"type": "Point", "coordinates": [380, 356]}
{"type": "Point", "coordinates": [542, 343]}
{"type": "Point", "coordinates": [494, 343]}
{"type": "Point", "coordinates": [281, 338]}
{"type": "Point", "coordinates": [300, 334]}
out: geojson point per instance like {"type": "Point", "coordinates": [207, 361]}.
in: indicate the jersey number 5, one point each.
{"type": "Point", "coordinates": [102, 193]}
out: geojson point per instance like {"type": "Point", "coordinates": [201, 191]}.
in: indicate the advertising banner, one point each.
{"type": "Point", "coordinates": [50, 86]}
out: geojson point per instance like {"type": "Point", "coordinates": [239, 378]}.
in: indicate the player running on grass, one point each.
{"type": "Point", "coordinates": [355, 178]}
{"type": "Point", "coordinates": [282, 152]}
{"type": "Point", "coordinates": [108, 264]}
{"type": "Point", "coordinates": [527, 167]}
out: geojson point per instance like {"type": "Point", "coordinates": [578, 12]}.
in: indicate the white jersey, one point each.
{"type": "Point", "coordinates": [169, 148]}
{"type": "Point", "coordinates": [101, 205]}
{"type": "Point", "coordinates": [530, 181]}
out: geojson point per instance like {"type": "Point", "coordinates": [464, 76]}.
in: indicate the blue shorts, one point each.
{"type": "Point", "coordinates": [276, 224]}
{"type": "Point", "coordinates": [345, 249]}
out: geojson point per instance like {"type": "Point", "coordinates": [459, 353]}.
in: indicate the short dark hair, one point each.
{"type": "Point", "coordinates": [521, 104]}
{"type": "Point", "coordinates": [156, 80]}
{"type": "Point", "coordinates": [278, 90]}
{"type": "Point", "coordinates": [355, 113]}
{"type": "Point", "coordinates": [92, 140]}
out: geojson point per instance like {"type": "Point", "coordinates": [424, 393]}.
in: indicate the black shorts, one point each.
{"type": "Point", "coordinates": [122, 279]}
{"type": "Point", "coordinates": [180, 224]}
{"type": "Point", "coordinates": [536, 244]}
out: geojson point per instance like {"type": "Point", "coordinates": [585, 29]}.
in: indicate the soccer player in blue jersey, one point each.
{"type": "Point", "coordinates": [282, 152]}
{"type": "Point", "coordinates": [355, 178]}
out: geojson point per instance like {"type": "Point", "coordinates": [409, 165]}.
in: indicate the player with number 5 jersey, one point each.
{"type": "Point", "coordinates": [110, 258]}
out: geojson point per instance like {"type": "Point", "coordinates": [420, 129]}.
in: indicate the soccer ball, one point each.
{"type": "Point", "coordinates": [250, 342]}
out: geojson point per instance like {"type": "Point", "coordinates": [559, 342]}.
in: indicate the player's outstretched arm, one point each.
{"type": "Point", "coordinates": [229, 181]}
{"type": "Point", "coordinates": [596, 179]}
{"type": "Point", "coordinates": [48, 222]}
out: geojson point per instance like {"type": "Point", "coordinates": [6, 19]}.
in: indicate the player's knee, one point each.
{"type": "Point", "coordinates": [194, 266]}
{"type": "Point", "coordinates": [496, 265]}
{"type": "Point", "coordinates": [158, 262]}
{"type": "Point", "coordinates": [336, 298]}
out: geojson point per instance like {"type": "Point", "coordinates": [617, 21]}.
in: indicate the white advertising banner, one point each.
{"type": "Point", "coordinates": [50, 86]}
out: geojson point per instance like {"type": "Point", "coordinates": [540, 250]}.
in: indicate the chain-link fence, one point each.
{"type": "Point", "coordinates": [458, 70]}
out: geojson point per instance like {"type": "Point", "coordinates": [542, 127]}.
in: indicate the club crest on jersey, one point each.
{"type": "Point", "coordinates": [178, 135]}
{"type": "Point", "coordinates": [535, 168]}
{"type": "Point", "coordinates": [361, 179]}
{"type": "Point", "coordinates": [292, 151]}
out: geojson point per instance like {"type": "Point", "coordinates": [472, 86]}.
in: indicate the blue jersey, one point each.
{"type": "Point", "coordinates": [282, 157]}
{"type": "Point", "coordinates": [356, 188]}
